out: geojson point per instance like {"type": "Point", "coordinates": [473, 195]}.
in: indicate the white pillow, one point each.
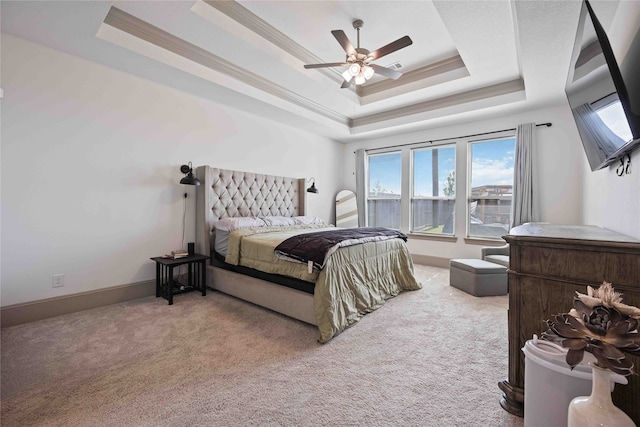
{"type": "Point", "coordinates": [307, 220]}
{"type": "Point", "coordinates": [279, 221]}
{"type": "Point", "coordinates": [236, 223]}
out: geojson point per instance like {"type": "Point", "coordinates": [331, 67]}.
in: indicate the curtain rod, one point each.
{"type": "Point", "coordinates": [431, 141]}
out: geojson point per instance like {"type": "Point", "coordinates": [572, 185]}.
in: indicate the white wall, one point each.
{"type": "Point", "coordinates": [90, 169]}
{"type": "Point", "coordinates": [613, 201]}
{"type": "Point", "coordinates": [560, 162]}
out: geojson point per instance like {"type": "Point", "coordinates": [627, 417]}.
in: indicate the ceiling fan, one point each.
{"type": "Point", "coordinates": [359, 60]}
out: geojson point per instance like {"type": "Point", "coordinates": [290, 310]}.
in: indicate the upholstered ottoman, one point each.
{"type": "Point", "coordinates": [478, 277]}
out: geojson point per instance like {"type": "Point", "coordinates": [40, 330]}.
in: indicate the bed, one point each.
{"type": "Point", "coordinates": [356, 279]}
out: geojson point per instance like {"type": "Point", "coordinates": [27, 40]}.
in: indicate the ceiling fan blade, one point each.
{"type": "Point", "coordinates": [387, 72]}
{"type": "Point", "coordinates": [346, 84]}
{"type": "Point", "coordinates": [344, 41]}
{"type": "Point", "coordinates": [328, 64]}
{"type": "Point", "coordinates": [391, 47]}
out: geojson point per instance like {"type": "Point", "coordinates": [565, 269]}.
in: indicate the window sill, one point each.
{"type": "Point", "coordinates": [486, 241]}
{"type": "Point", "coordinates": [436, 237]}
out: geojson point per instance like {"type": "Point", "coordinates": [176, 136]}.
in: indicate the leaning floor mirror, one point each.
{"type": "Point", "coordinates": [346, 209]}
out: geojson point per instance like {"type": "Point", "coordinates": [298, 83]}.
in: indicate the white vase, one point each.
{"type": "Point", "coordinates": [597, 409]}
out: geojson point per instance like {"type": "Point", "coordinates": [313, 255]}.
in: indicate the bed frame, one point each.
{"type": "Point", "coordinates": [228, 193]}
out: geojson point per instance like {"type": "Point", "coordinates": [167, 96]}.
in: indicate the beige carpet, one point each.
{"type": "Point", "coordinates": [431, 357]}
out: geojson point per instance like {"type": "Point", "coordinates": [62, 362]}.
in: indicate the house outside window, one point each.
{"type": "Point", "coordinates": [384, 190]}
{"type": "Point", "coordinates": [433, 189]}
{"type": "Point", "coordinates": [490, 188]}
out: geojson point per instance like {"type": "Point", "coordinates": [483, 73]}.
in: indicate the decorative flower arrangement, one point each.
{"type": "Point", "coordinates": [600, 324]}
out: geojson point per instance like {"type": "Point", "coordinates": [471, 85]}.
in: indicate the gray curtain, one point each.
{"type": "Point", "coordinates": [361, 197]}
{"type": "Point", "coordinates": [524, 206]}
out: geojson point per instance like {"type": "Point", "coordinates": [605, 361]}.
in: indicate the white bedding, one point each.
{"type": "Point", "coordinates": [225, 226]}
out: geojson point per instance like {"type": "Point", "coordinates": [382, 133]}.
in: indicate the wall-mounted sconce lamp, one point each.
{"type": "Point", "coordinates": [188, 179]}
{"type": "Point", "coordinates": [313, 188]}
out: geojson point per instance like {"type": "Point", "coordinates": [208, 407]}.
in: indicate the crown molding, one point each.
{"type": "Point", "coordinates": [511, 87]}
{"type": "Point", "coordinates": [259, 26]}
{"type": "Point", "coordinates": [448, 69]}
{"type": "Point", "coordinates": [142, 30]}
{"type": "Point", "coordinates": [251, 21]}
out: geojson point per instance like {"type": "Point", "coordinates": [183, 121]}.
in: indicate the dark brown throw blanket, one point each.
{"type": "Point", "coordinates": [317, 247]}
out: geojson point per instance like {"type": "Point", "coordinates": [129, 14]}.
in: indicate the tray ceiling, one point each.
{"type": "Point", "coordinates": [468, 59]}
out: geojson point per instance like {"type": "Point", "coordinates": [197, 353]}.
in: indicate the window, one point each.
{"type": "Point", "coordinates": [414, 188]}
{"type": "Point", "coordinates": [433, 190]}
{"type": "Point", "coordinates": [491, 187]}
{"type": "Point", "coordinates": [384, 190]}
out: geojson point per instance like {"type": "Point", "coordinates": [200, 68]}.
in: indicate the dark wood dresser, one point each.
{"type": "Point", "coordinates": [547, 264]}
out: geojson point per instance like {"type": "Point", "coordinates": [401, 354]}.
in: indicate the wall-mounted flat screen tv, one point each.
{"type": "Point", "coordinates": [603, 89]}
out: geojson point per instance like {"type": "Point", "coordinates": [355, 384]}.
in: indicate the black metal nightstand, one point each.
{"type": "Point", "coordinates": [167, 287]}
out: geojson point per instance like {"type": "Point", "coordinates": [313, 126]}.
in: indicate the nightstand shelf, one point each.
{"type": "Point", "coordinates": [196, 276]}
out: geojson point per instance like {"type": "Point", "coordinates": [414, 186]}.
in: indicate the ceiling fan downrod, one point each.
{"type": "Point", "coordinates": [357, 24]}
{"type": "Point", "coordinates": [359, 69]}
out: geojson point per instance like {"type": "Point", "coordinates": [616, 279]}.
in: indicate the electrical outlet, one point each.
{"type": "Point", "coordinates": [57, 280]}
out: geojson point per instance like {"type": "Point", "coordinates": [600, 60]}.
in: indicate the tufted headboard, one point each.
{"type": "Point", "coordinates": [227, 193]}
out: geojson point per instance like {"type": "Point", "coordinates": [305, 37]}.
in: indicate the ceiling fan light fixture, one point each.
{"type": "Point", "coordinates": [347, 76]}
{"type": "Point", "coordinates": [360, 79]}
{"type": "Point", "coordinates": [368, 72]}
{"type": "Point", "coordinates": [354, 69]}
